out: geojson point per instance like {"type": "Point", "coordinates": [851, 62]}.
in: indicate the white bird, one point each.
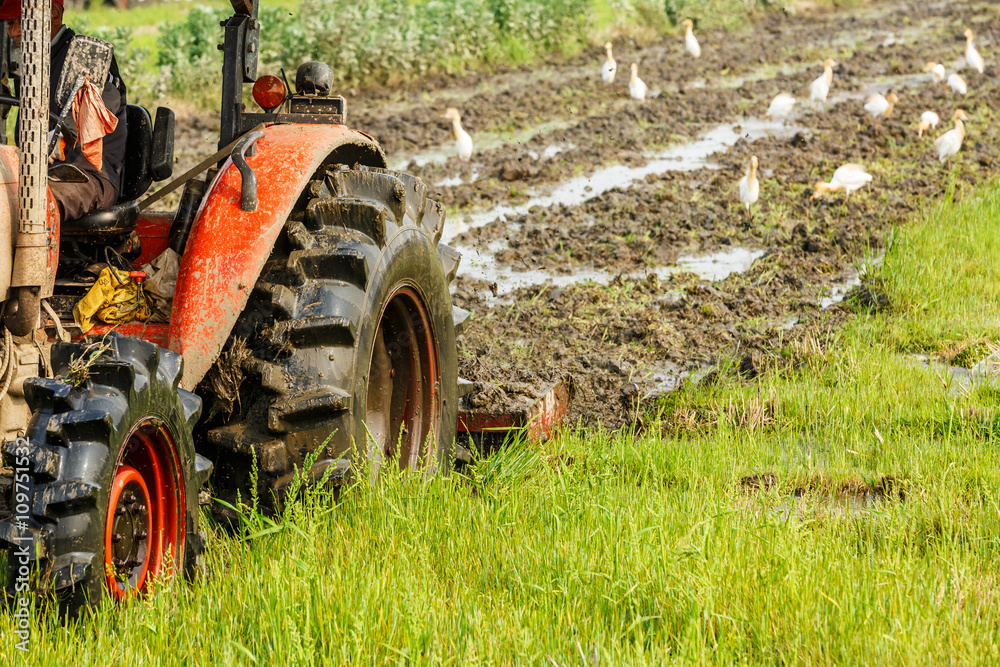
{"type": "Point", "coordinates": [821, 87]}
{"type": "Point", "coordinates": [463, 142]}
{"type": "Point", "coordinates": [957, 83]}
{"type": "Point", "coordinates": [610, 66]}
{"type": "Point", "coordinates": [877, 105]}
{"type": "Point", "coordinates": [848, 177]}
{"type": "Point", "coordinates": [636, 88]}
{"type": "Point", "coordinates": [749, 185]}
{"type": "Point", "coordinates": [690, 41]}
{"type": "Point", "coordinates": [949, 143]}
{"type": "Point", "coordinates": [780, 106]}
{"type": "Point", "coordinates": [937, 69]}
{"type": "Point", "coordinates": [971, 55]}
{"type": "Point", "coordinates": [928, 120]}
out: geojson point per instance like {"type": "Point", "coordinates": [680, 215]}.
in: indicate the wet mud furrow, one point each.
{"type": "Point", "coordinates": [632, 133]}
{"type": "Point", "coordinates": [630, 329]}
{"type": "Point", "coordinates": [407, 120]}
{"type": "Point", "coordinates": [603, 238]}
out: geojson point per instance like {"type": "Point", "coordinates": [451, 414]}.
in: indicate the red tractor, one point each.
{"type": "Point", "coordinates": [311, 314]}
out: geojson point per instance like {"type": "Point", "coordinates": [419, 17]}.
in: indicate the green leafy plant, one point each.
{"type": "Point", "coordinates": [376, 41]}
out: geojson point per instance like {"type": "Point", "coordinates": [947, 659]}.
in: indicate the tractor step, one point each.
{"type": "Point", "coordinates": [537, 417]}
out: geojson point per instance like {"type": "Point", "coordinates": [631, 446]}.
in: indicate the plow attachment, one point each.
{"type": "Point", "coordinates": [536, 415]}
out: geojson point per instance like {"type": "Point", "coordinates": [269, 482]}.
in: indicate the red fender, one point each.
{"type": "Point", "coordinates": [227, 248]}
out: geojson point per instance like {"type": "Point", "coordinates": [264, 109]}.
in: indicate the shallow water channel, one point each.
{"type": "Point", "coordinates": [711, 266]}
{"type": "Point", "coordinates": [682, 157]}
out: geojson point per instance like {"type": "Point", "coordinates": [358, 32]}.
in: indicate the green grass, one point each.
{"type": "Point", "coordinates": [938, 318]}
{"type": "Point", "coordinates": [145, 20]}
{"type": "Point", "coordinates": [650, 547]}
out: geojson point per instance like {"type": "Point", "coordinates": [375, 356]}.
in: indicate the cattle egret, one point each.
{"type": "Point", "coordinates": [848, 177]}
{"type": "Point", "coordinates": [949, 143]}
{"type": "Point", "coordinates": [610, 66]}
{"type": "Point", "coordinates": [877, 105]}
{"type": "Point", "coordinates": [636, 88]}
{"type": "Point", "coordinates": [928, 120]}
{"type": "Point", "coordinates": [690, 41]}
{"type": "Point", "coordinates": [957, 83]}
{"type": "Point", "coordinates": [780, 106]}
{"type": "Point", "coordinates": [937, 69]}
{"type": "Point", "coordinates": [463, 142]}
{"type": "Point", "coordinates": [749, 186]}
{"type": "Point", "coordinates": [821, 87]}
{"type": "Point", "coordinates": [971, 55]}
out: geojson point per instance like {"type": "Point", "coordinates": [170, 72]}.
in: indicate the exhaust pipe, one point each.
{"type": "Point", "coordinates": [30, 272]}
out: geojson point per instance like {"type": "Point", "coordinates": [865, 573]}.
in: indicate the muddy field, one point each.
{"type": "Point", "coordinates": [603, 239]}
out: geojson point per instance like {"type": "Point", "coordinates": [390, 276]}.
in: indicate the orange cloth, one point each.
{"type": "Point", "coordinates": [93, 122]}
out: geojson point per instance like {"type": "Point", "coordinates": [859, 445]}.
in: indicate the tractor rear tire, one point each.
{"type": "Point", "coordinates": [349, 340]}
{"type": "Point", "coordinates": [112, 477]}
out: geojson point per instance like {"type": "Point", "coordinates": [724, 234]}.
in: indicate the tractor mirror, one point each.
{"type": "Point", "coordinates": [87, 56]}
{"type": "Point", "coordinates": [161, 163]}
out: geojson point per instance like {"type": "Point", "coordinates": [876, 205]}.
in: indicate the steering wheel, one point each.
{"type": "Point", "coordinates": [53, 118]}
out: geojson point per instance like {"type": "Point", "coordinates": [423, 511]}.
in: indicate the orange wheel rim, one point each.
{"type": "Point", "coordinates": [402, 407]}
{"type": "Point", "coordinates": [143, 533]}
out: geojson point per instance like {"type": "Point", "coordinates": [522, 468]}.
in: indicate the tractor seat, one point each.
{"type": "Point", "coordinates": [139, 169]}
{"type": "Point", "coordinates": [114, 221]}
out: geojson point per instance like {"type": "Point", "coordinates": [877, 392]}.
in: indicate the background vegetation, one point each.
{"type": "Point", "coordinates": [168, 50]}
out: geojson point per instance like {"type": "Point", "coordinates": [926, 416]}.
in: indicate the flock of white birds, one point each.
{"type": "Point", "coordinates": [846, 178]}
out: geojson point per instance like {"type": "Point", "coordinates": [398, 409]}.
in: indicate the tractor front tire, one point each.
{"type": "Point", "coordinates": [349, 339]}
{"type": "Point", "coordinates": [111, 478]}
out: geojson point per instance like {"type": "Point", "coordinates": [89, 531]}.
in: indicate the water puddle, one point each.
{"type": "Point", "coordinates": [842, 505]}
{"type": "Point", "coordinates": [483, 141]}
{"type": "Point", "coordinates": [785, 323]}
{"type": "Point", "coordinates": [958, 380]}
{"type": "Point", "coordinates": [458, 179]}
{"type": "Point", "coordinates": [720, 265]}
{"type": "Point", "coordinates": [837, 291]}
{"type": "Point", "coordinates": [503, 281]}
{"type": "Point", "coordinates": [432, 156]}
{"type": "Point", "coordinates": [666, 376]}
{"type": "Point", "coordinates": [481, 265]}
{"type": "Point", "coordinates": [449, 182]}
{"type": "Point", "coordinates": [551, 151]}
{"type": "Point", "coordinates": [683, 157]}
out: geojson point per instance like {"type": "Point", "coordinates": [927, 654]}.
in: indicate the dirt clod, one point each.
{"type": "Point", "coordinates": [225, 377]}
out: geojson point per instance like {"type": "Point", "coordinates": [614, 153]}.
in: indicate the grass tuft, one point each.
{"type": "Point", "coordinates": [79, 366]}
